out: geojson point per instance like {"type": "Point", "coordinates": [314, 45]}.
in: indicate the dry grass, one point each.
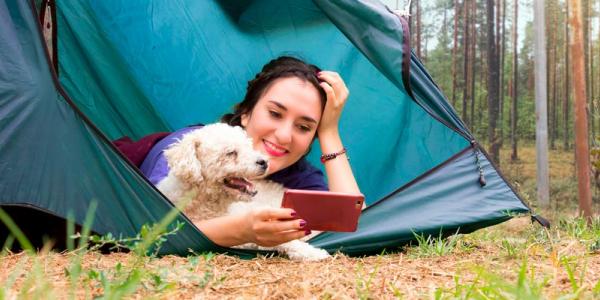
{"type": "Point", "coordinates": [563, 184]}
{"type": "Point", "coordinates": [561, 162]}
{"type": "Point", "coordinates": [514, 260]}
{"type": "Point", "coordinates": [476, 261]}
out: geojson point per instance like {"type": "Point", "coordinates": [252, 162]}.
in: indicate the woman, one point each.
{"type": "Point", "coordinates": [287, 105]}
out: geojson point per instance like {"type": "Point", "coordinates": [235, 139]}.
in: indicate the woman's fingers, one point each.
{"type": "Point", "coordinates": [331, 77]}
{"type": "Point", "coordinates": [287, 225]}
{"type": "Point", "coordinates": [337, 94]}
{"type": "Point", "coordinates": [275, 220]}
{"type": "Point", "coordinates": [329, 91]}
{"type": "Point", "coordinates": [293, 235]}
{"type": "Point", "coordinates": [275, 233]}
{"type": "Point", "coordinates": [336, 82]}
{"type": "Point", "coordinates": [268, 214]}
{"type": "Point", "coordinates": [274, 226]}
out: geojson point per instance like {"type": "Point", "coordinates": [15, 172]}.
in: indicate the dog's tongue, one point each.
{"type": "Point", "coordinates": [240, 184]}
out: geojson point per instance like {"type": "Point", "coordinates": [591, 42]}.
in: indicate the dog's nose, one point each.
{"type": "Point", "coordinates": [262, 163]}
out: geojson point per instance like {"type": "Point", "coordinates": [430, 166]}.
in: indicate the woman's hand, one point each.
{"type": "Point", "coordinates": [272, 226]}
{"type": "Point", "coordinates": [339, 173]}
{"type": "Point", "coordinates": [337, 94]}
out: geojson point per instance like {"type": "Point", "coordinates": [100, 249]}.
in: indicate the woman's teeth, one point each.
{"type": "Point", "coordinates": [273, 149]}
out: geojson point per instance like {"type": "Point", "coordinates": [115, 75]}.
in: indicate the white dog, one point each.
{"type": "Point", "coordinates": [213, 166]}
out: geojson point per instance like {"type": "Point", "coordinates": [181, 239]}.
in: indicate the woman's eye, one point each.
{"type": "Point", "coordinates": [304, 128]}
{"type": "Point", "coordinates": [275, 114]}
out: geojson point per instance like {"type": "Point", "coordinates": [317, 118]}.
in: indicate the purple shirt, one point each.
{"type": "Point", "coordinates": [301, 175]}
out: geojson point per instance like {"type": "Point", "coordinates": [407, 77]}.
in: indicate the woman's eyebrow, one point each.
{"type": "Point", "coordinates": [308, 119]}
{"type": "Point", "coordinates": [278, 104]}
{"type": "Point", "coordinates": [305, 118]}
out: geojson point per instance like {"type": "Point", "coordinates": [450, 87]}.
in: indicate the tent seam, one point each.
{"type": "Point", "coordinates": [423, 175]}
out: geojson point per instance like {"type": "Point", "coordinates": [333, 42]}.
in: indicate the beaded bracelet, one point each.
{"type": "Point", "coordinates": [330, 156]}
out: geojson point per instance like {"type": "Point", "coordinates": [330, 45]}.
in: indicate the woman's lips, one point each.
{"type": "Point", "coordinates": [273, 149]}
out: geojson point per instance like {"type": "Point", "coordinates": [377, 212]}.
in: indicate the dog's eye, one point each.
{"type": "Point", "coordinates": [232, 153]}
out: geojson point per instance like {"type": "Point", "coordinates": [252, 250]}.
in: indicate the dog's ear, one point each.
{"type": "Point", "coordinates": [183, 160]}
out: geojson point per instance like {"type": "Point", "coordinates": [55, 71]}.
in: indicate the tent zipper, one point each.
{"type": "Point", "coordinates": [482, 181]}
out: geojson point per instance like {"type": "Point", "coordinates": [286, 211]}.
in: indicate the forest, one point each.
{"type": "Point", "coordinates": [481, 55]}
{"type": "Point", "coordinates": [451, 35]}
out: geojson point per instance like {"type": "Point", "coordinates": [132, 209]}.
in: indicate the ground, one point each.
{"type": "Point", "coordinates": [513, 260]}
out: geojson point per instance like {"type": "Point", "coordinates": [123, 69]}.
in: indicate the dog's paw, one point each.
{"type": "Point", "coordinates": [308, 254]}
{"type": "Point", "coordinates": [317, 254]}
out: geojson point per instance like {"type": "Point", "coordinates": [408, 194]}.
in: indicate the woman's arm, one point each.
{"type": "Point", "coordinates": [265, 227]}
{"type": "Point", "coordinates": [339, 173]}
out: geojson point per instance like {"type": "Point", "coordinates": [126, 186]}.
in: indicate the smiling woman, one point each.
{"type": "Point", "coordinates": [287, 105]}
{"type": "Point", "coordinates": [283, 122]}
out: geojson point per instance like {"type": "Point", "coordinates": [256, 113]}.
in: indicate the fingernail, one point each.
{"type": "Point", "coordinates": [307, 232]}
{"type": "Point", "coordinates": [293, 213]}
{"type": "Point", "coordinates": [302, 223]}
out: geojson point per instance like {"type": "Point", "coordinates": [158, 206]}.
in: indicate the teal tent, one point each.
{"type": "Point", "coordinates": [130, 68]}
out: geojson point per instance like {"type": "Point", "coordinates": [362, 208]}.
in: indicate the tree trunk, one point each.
{"type": "Point", "coordinates": [582, 156]}
{"type": "Point", "coordinates": [558, 80]}
{"type": "Point", "coordinates": [418, 29]}
{"type": "Point", "coordinates": [493, 81]}
{"type": "Point", "coordinates": [514, 112]}
{"type": "Point", "coordinates": [498, 23]}
{"type": "Point", "coordinates": [467, 41]}
{"type": "Point", "coordinates": [598, 78]}
{"type": "Point", "coordinates": [567, 86]}
{"type": "Point", "coordinates": [481, 100]}
{"type": "Point", "coordinates": [472, 61]}
{"type": "Point", "coordinates": [555, 123]}
{"type": "Point", "coordinates": [411, 20]}
{"type": "Point", "coordinates": [589, 41]}
{"type": "Point", "coordinates": [502, 57]}
{"type": "Point", "coordinates": [550, 74]}
{"type": "Point", "coordinates": [541, 100]}
{"type": "Point", "coordinates": [455, 51]}
{"type": "Point", "coordinates": [585, 15]}
{"type": "Point", "coordinates": [591, 85]}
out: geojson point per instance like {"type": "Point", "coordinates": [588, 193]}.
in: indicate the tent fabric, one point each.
{"type": "Point", "coordinates": [101, 74]}
{"type": "Point", "coordinates": [53, 160]}
{"type": "Point", "coordinates": [190, 74]}
{"type": "Point", "coordinates": [423, 208]}
{"type": "Point", "coordinates": [138, 67]}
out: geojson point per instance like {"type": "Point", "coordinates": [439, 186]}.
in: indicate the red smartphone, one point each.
{"type": "Point", "coordinates": [325, 211]}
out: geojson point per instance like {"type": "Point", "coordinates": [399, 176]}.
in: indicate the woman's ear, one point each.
{"type": "Point", "coordinates": [244, 120]}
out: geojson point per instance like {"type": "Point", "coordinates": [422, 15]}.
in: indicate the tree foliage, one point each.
{"type": "Point", "coordinates": [438, 29]}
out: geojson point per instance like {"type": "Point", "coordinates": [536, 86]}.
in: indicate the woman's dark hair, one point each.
{"type": "Point", "coordinates": [281, 67]}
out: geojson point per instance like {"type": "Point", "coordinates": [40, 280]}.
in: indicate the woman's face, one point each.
{"type": "Point", "coordinates": [284, 121]}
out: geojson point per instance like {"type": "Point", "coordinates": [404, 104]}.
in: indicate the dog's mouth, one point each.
{"type": "Point", "coordinates": [240, 184]}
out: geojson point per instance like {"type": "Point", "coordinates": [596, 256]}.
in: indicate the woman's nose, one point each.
{"type": "Point", "coordinates": [284, 134]}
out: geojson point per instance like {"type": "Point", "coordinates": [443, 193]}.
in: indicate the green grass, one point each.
{"type": "Point", "coordinates": [115, 283]}
{"type": "Point", "coordinates": [488, 285]}
{"type": "Point", "coordinates": [429, 245]}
